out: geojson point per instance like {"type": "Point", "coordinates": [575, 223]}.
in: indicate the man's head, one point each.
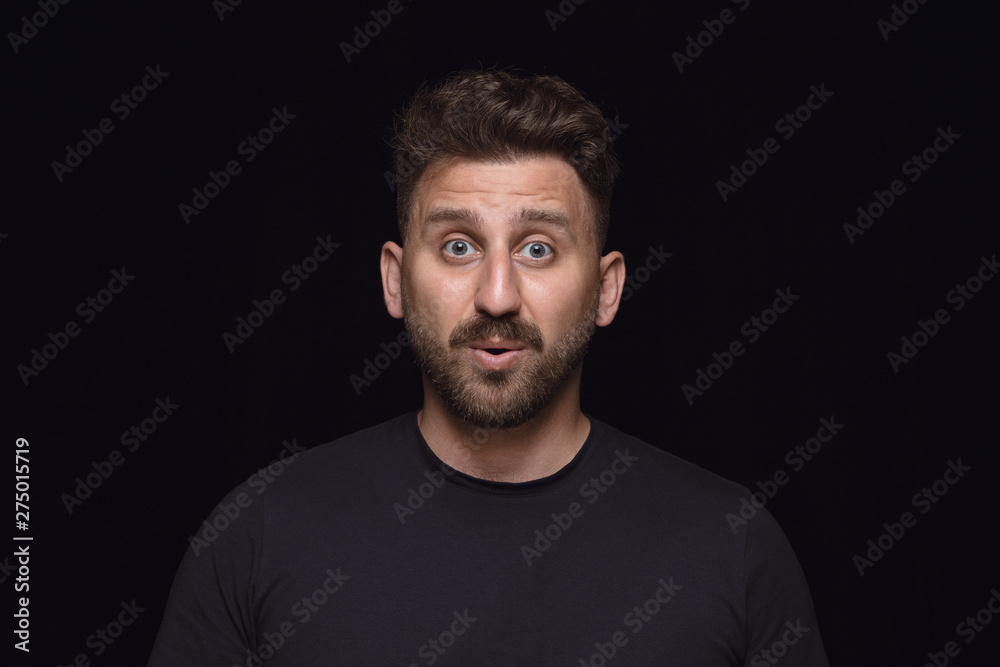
{"type": "Point", "coordinates": [495, 116]}
{"type": "Point", "coordinates": [500, 280]}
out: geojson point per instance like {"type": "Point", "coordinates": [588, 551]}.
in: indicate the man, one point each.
{"type": "Point", "coordinates": [498, 525]}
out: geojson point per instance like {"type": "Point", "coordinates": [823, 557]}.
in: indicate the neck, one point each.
{"type": "Point", "coordinates": [538, 448]}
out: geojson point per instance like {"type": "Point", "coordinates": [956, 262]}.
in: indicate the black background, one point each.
{"type": "Point", "coordinates": [325, 176]}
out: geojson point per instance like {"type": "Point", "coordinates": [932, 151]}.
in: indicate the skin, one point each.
{"type": "Point", "coordinates": [495, 274]}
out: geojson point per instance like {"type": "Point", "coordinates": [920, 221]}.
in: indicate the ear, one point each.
{"type": "Point", "coordinates": [612, 277]}
{"type": "Point", "coordinates": [392, 278]}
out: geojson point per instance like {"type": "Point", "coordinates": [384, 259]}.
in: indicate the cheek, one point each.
{"type": "Point", "coordinates": [557, 306]}
{"type": "Point", "coordinates": [439, 301]}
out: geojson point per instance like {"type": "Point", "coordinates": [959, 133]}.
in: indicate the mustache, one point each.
{"type": "Point", "coordinates": [511, 328]}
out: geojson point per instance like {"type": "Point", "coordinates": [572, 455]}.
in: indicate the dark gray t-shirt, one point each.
{"type": "Point", "coordinates": [370, 551]}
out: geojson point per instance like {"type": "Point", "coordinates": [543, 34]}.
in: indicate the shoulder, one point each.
{"type": "Point", "coordinates": [333, 470]}
{"type": "Point", "coordinates": [358, 454]}
{"type": "Point", "coordinates": [366, 443]}
{"type": "Point", "coordinates": [668, 474]}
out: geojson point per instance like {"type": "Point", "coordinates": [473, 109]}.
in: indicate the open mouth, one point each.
{"type": "Point", "coordinates": [497, 358]}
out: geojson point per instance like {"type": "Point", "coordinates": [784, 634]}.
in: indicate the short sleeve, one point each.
{"type": "Point", "coordinates": [781, 619]}
{"type": "Point", "coordinates": [209, 618]}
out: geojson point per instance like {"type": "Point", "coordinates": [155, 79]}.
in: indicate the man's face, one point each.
{"type": "Point", "coordinates": [500, 285]}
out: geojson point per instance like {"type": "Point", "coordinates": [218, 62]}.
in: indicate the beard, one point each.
{"type": "Point", "coordinates": [503, 398]}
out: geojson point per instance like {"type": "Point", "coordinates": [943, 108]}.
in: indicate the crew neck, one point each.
{"type": "Point", "coordinates": [541, 485]}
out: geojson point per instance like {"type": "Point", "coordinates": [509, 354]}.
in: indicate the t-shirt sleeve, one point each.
{"type": "Point", "coordinates": [781, 619]}
{"type": "Point", "coordinates": [209, 619]}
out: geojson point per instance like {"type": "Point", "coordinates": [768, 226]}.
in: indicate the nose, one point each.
{"type": "Point", "coordinates": [498, 292]}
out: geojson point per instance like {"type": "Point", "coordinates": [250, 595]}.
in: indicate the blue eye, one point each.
{"type": "Point", "coordinates": [458, 248]}
{"type": "Point", "coordinates": [537, 250]}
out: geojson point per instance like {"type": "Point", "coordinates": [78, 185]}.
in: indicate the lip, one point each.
{"type": "Point", "coordinates": [496, 343]}
{"type": "Point", "coordinates": [514, 352]}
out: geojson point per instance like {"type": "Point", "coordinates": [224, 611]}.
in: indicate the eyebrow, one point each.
{"type": "Point", "coordinates": [440, 215]}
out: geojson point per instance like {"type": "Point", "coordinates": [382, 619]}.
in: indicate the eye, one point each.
{"type": "Point", "coordinates": [458, 248]}
{"type": "Point", "coordinates": [537, 250]}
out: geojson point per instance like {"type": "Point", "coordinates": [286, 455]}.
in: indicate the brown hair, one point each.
{"type": "Point", "coordinates": [493, 115]}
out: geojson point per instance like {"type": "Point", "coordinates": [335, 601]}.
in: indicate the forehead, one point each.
{"type": "Point", "coordinates": [541, 188]}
